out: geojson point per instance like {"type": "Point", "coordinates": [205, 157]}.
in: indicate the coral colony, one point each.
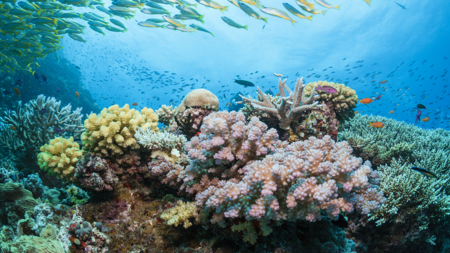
{"type": "Point", "coordinates": [293, 172]}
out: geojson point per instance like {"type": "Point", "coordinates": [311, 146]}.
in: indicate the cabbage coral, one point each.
{"type": "Point", "coordinates": [343, 101]}
{"type": "Point", "coordinates": [59, 157]}
{"type": "Point", "coordinates": [112, 131]}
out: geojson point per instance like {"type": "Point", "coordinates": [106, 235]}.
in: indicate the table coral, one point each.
{"type": "Point", "coordinates": [343, 101]}
{"type": "Point", "coordinates": [111, 133]}
{"type": "Point", "coordinates": [59, 157]}
{"type": "Point", "coordinates": [94, 173]}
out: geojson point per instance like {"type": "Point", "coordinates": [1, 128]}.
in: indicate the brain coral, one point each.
{"type": "Point", "coordinates": [199, 98]}
{"type": "Point", "coordinates": [343, 101]}
{"type": "Point", "coordinates": [112, 131]}
{"type": "Point", "coordinates": [59, 157]}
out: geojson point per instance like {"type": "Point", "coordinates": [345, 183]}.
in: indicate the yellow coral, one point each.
{"type": "Point", "coordinates": [112, 131]}
{"type": "Point", "coordinates": [344, 99]}
{"type": "Point", "coordinates": [181, 213]}
{"type": "Point", "coordinates": [59, 157]}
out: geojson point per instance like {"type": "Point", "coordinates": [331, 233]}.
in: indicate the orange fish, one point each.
{"type": "Point", "coordinates": [384, 81]}
{"type": "Point", "coordinates": [426, 119]}
{"type": "Point", "coordinates": [17, 91]}
{"type": "Point", "coordinates": [13, 128]}
{"type": "Point", "coordinates": [356, 112]}
{"type": "Point", "coordinates": [78, 94]}
{"type": "Point", "coordinates": [391, 112]}
{"type": "Point", "coordinates": [376, 124]}
{"type": "Point", "coordinates": [197, 134]}
{"type": "Point", "coordinates": [334, 132]}
{"type": "Point", "coordinates": [134, 103]}
{"type": "Point", "coordinates": [366, 101]}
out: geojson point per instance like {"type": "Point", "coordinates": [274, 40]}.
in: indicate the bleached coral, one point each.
{"type": "Point", "coordinates": [112, 131]}
{"type": "Point", "coordinates": [166, 114]}
{"type": "Point", "coordinates": [290, 107]}
{"type": "Point", "coordinates": [59, 157]}
{"type": "Point", "coordinates": [199, 98]}
{"type": "Point", "coordinates": [163, 141]}
{"type": "Point", "coordinates": [181, 213]}
{"type": "Point", "coordinates": [297, 182]}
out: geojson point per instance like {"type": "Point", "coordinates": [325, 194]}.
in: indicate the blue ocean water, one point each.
{"type": "Point", "coordinates": [359, 45]}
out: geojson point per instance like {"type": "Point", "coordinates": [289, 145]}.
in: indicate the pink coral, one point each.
{"type": "Point", "coordinates": [297, 182]}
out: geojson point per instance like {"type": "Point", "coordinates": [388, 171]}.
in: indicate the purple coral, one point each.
{"type": "Point", "coordinates": [95, 173]}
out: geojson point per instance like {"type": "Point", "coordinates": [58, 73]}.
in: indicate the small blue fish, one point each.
{"type": "Point", "coordinates": [263, 26]}
{"type": "Point", "coordinates": [43, 111]}
{"type": "Point", "coordinates": [424, 172]}
{"type": "Point", "coordinates": [403, 7]}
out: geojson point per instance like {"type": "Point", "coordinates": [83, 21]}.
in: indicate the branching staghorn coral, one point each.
{"type": "Point", "coordinates": [290, 106]}
{"type": "Point", "coordinates": [342, 102]}
{"type": "Point", "coordinates": [112, 131]}
{"type": "Point", "coordinates": [38, 121]}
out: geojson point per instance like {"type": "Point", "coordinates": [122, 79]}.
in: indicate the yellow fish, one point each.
{"type": "Point", "coordinates": [279, 75]}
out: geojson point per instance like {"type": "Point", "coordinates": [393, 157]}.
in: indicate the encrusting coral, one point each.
{"type": "Point", "coordinates": [111, 133]}
{"type": "Point", "coordinates": [15, 201]}
{"type": "Point", "coordinates": [342, 102]}
{"type": "Point", "coordinates": [59, 157]}
{"type": "Point", "coordinates": [290, 107]}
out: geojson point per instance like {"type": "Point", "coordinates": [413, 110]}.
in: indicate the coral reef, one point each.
{"type": "Point", "coordinates": [94, 173]}
{"type": "Point", "coordinates": [38, 121]}
{"type": "Point", "coordinates": [111, 133]}
{"type": "Point", "coordinates": [290, 107]}
{"type": "Point", "coordinates": [15, 202]}
{"type": "Point", "coordinates": [73, 195]}
{"type": "Point", "coordinates": [59, 157]}
{"type": "Point", "coordinates": [342, 102]}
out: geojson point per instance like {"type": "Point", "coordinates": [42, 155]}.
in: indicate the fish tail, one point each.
{"type": "Point", "coordinates": [245, 27]}
{"type": "Point", "coordinates": [310, 18]}
{"type": "Point", "coordinates": [264, 19]}
{"type": "Point", "coordinates": [212, 34]}
{"type": "Point", "coordinates": [55, 21]}
{"type": "Point", "coordinates": [323, 12]}
{"type": "Point", "coordinates": [292, 21]}
{"type": "Point", "coordinates": [368, 1]}
{"type": "Point", "coordinates": [337, 7]}
{"type": "Point", "coordinates": [163, 26]}
{"type": "Point", "coordinates": [370, 123]}
{"type": "Point", "coordinates": [319, 87]}
{"type": "Point", "coordinates": [311, 5]}
{"type": "Point", "coordinates": [225, 8]}
{"type": "Point", "coordinates": [201, 18]}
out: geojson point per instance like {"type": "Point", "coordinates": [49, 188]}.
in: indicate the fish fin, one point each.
{"type": "Point", "coordinates": [292, 21]}
{"type": "Point", "coordinates": [311, 5]}
{"type": "Point", "coordinates": [212, 34]}
{"type": "Point", "coordinates": [310, 18]}
{"type": "Point", "coordinates": [368, 2]}
{"type": "Point", "coordinates": [225, 8]}
{"type": "Point", "coordinates": [337, 7]}
{"type": "Point", "coordinates": [245, 27]}
{"type": "Point", "coordinates": [323, 12]}
{"type": "Point", "coordinates": [264, 19]}
{"type": "Point", "coordinates": [163, 26]}
{"type": "Point", "coordinates": [55, 21]}
{"type": "Point", "coordinates": [319, 87]}
{"type": "Point", "coordinates": [201, 18]}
